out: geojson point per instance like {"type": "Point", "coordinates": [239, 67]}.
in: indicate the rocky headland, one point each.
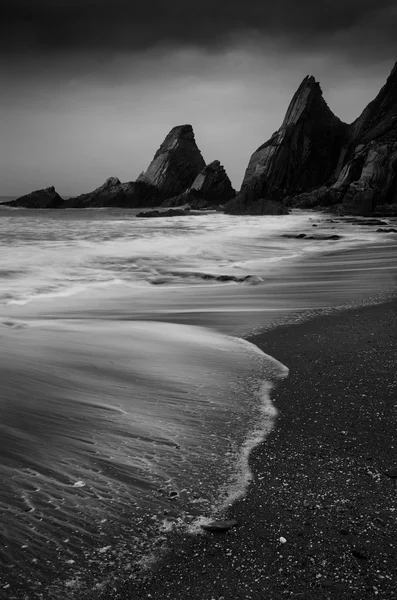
{"type": "Point", "coordinates": [313, 160]}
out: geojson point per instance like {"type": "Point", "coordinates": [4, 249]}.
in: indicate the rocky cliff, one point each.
{"type": "Point", "coordinates": [46, 198]}
{"type": "Point", "coordinates": [316, 160]}
{"type": "Point", "coordinates": [302, 154]}
{"type": "Point", "coordinates": [368, 178]}
{"type": "Point", "coordinates": [176, 163]}
{"type": "Point", "coordinates": [211, 187]}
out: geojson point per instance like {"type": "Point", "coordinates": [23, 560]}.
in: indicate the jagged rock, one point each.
{"type": "Point", "coordinates": [176, 163]}
{"type": "Point", "coordinates": [369, 175]}
{"type": "Point", "coordinates": [211, 187]}
{"type": "Point", "coordinates": [46, 198]}
{"type": "Point", "coordinates": [302, 155]}
{"type": "Point", "coordinates": [164, 213]}
{"type": "Point", "coordinates": [365, 180]}
{"type": "Point", "coordinates": [316, 160]}
{"type": "Point", "coordinates": [114, 193]}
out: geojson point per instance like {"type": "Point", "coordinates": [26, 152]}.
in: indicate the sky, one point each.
{"type": "Point", "coordinates": [90, 88]}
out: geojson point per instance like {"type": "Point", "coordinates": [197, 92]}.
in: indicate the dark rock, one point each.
{"type": "Point", "coordinates": [46, 198]}
{"type": "Point", "coordinates": [242, 205]}
{"type": "Point", "coordinates": [369, 173]}
{"type": "Point", "coordinates": [176, 163]}
{"type": "Point", "coordinates": [303, 154]}
{"type": "Point", "coordinates": [113, 193]}
{"type": "Point", "coordinates": [382, 230]}
{"type": "Point", "coordinates": [359, 553]}
{"type": "Point", "coordinates": [327, 583]}
{"type": "Point", "coordinates": [367, 222]}
{"type": "Point", "coordinates": [211, 187]}
{"type": "Point", "coordinates": [164, 213]}
{"type": "Point", "coordinates": [219, 526]}
{"type": "Point", "coordinates": [301, 236]}
{"type": "Point", "coordinates": [315, 160]}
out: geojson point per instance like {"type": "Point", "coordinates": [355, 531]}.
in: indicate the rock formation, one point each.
{"type": "Point", "coordinates": [46, 198]}
{"type": "Point", "coordinates": [176, 163]}
{"type": "Point", "coordinates": [368, 178]}
{"type": "Point", "coordinates": [302, 154]}
{"type": "Point", "coordinates": [114, 193]}
{"type": "Point", "coordinates": [211, 187]}
{"type": "Point", "coordinates": [316, 160]}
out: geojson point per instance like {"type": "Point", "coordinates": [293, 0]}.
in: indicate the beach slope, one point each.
{"type": "Point", "coordinates": [319, 519]}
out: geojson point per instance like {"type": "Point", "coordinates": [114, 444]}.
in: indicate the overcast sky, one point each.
{"type": "Point", "coordinates": [90, 87]}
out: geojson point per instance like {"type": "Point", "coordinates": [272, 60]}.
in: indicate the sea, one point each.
{"type": "Point", "coordinates": [130, 394]}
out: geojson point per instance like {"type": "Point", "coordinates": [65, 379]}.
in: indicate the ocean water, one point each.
{"type": "Point", "coordinates": [128, 399]}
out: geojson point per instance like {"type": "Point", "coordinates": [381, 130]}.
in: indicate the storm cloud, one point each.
{"type": "Point", "coordinates": [359, 28]}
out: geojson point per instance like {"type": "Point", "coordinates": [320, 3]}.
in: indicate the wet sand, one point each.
{"type": "Point", "coordinates": [319, 478]}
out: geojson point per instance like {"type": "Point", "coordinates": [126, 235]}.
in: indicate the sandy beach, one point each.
{"type": "Point", "coordinates": [319, 519]}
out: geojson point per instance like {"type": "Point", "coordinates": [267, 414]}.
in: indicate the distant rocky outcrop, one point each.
{"type": "Point", "coordinates": [114, 193]}
{"type": "Point", "coordinates": [178, 212]}
{"type": "Point", "coordinates": [46, 198]}
{"type": "Point", "coordinates": [211, 187]}
{"type": "Point", "coordinates": [316, 160]}
{"type": "Point", "coordinates": [176, 163]}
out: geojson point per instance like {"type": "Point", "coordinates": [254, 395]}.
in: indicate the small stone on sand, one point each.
{"type": "Point", "coordinates": [219, 526]}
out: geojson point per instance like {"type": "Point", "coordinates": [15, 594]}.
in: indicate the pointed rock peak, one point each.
{"type": "Point", "coordinates": [309, 93]}
{"type": "Point", "coordinates": [177, 135]}
{"type": "Point", "coordinates": [176, 163]}
{"type": "Point", "coordinates": [393, 73]}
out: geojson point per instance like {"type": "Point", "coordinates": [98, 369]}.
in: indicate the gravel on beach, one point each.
{"type": "Point", "coordinates": [320, 517]}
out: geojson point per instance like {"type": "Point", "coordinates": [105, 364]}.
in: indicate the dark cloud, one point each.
{"type": "Point", "coordinates": [42, 26]}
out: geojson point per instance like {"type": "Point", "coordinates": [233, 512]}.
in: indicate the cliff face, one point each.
{"type": "Point", "coordinates": [302, 154]}
{"type": "Point", "coordinates": [46, 198]}
{"type": "Point", "coordinates": [211, 187]}
{"type": "Point", "coordinates": [176, 163]}
{"type": "Point", "coordinates": [368, 178]}
{"type": "Point", "coordinates": [114, 193]}
{"type": "Point", "coordinates": [315, 159]}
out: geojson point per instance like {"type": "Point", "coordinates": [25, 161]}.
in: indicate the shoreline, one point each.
{"type": "Point", "coordinates": [318, 482]}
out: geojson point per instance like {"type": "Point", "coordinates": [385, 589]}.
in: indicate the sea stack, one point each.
{"type": "Point", "coordinates": [302, 154]}
{"type": "Point", "coordinates": [45, 198]}
{"type": "Point", "coordinates": [176, 163]}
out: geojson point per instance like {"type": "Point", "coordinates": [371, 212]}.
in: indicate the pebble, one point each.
{"type": "Point", "coordinates": [219, 525]}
